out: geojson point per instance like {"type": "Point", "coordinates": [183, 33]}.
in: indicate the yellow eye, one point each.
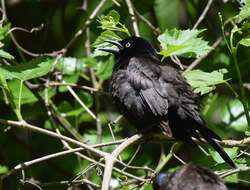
{"type": "Point", "coordinates": [127, 44]}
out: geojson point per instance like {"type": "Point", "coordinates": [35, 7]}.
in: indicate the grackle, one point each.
{"type": "Point", "coordinates": [151, 94]}
{"type": "Point", "coordinates": [189, 177]}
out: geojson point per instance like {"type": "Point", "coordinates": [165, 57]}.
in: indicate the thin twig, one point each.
{"type": "Point", "coordinates": [73, 85]}
{"type": "Point", "coordinates": [132, 158]}
{"type": "Point", "coordinates": [96, 86]}
{"type": "Point", "coordinates": [65, 49]}
{"type": "Point", "coordinates": [133, 19]}
{"type": "Point", "coordinates": [66, 183]}
{"type": "Point", "coordinates": [38, 160]}
{"type": "Point", "coordinates": [25, 125]}
{"type": "Point", "coordinates": [234, 171]}
{"type": "Point", "coordinates": [156, 31]}
{"type": "Point", "coordinates": [72, 92]}
{"type": "Point", "coordinates": [87, 23]}
{"type": "Point", "coordinates": [203, 14]}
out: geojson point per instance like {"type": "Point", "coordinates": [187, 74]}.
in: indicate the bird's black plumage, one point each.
{"type": "Point", "coordinates": [151, 94]}
{"type": "Point", "coordinates": [189, 177]}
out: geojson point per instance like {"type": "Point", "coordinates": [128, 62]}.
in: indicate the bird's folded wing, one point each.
{"type": "Point", "coordinates": [157, 104]}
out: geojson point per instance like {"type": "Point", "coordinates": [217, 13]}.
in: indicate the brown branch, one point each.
{"type": "Point", "coordinates": [96, 86]}
{"type": "Point", "coordinates": [155, 30]}
{"type": "Point", "coordinates": [110, 160]}
{"type": "Point", "coordinates": [132, 14]}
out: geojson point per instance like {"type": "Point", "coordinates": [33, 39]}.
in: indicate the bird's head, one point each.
{"type": "Point", "coordinates": [130, 47]}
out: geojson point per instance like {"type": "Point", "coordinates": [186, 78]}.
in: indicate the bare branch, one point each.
{"type": "Point", "coordinates": [203, 14]}
{"type": "Point", "coordinates": [234, 171]}
{"type": "Point", "coordinates": [110, 160]}
{"type": "Point", "coordinates": [156, 31]}
{"type": "Point", "coordinates": [132, 14]}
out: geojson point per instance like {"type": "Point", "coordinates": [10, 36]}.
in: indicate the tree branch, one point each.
{"type": "Point", "coordinates": [132, 14]}
{"type": "Point", "coordinates": [203, 14]}
{"type": "Point", "coordinates": [110, 160]}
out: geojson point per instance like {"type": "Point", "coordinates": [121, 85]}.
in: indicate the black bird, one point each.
{"type": "Point", "coordinates": [189, 177]}
{"type": "Point", "coordinates": [150, 94]}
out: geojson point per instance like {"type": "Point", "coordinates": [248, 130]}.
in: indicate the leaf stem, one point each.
{"type": "Point", "coordinates": [242, 96]}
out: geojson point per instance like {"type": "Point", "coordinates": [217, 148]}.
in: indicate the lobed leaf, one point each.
{"type": "Point", "coordinates": [204, 82]}
{"type": "Point", "coordinates": [111, 22]}
{"type": "Point", "coordinates": [184, 43]}
{"type": "Point", "coordinates": [100, 42]}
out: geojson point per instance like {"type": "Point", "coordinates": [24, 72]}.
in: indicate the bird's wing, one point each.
{"type": "Point", "coordinates": [144, 76]}
{"type": "Point", "coordinates": [181, 95]}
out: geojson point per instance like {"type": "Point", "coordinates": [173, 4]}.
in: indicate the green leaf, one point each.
{"type": "Point", "coordinates": [3, 82]}
{"type": "Point", "coordinates": [185, 43]}
{"type": "Point", "coordinates": [4, 31]}
{"type": "Point", "coordinates": [4, 54]}
{"type": "Point", "coordinates": [26, 71]}
{"type": "Point", "coordinates": [71, 65]}
{"type": "Point", "coordinates": [3, 169]}
{"type": "Point", "coordinates": [111, 22]}
{"type": "Point", "coordinates": [163, 10]}
{"type": "Point", "coordinates": [232, 153]}
{"type": "Point", "coordinates": [104, 68]}
{"type": "Point", "coordinates": [247, 133]}
{"type": "Point", "coordinates": [245, 42]}
{"type": "Point", "coordinates": [27, 95]}
{"type": "Point", "coordinates": [9, 94]}
{"type": "Point", "coordinates": [244, 11]}
{"type": "Point", "coordinates": [100, 42]}
{"type": "Point", "coordinates": [204, 82]}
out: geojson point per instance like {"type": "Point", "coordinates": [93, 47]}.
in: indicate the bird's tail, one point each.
{"type": "Point", "coordinates": [209, 136]}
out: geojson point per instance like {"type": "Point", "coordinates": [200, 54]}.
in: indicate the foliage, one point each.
{"type": "Point", "coordinates": [182, 42]}
{"type": "Point", "coordinates": [203, 82]}
{"type": "Point", "coordinates": [58, 80]}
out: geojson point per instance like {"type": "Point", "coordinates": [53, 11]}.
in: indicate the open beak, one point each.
{"type": "Point", "coordinates": [112, 50]}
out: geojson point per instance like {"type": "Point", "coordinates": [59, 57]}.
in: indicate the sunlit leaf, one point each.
{"type": "Point", "coordinates": [183, 43]}
{"type": "Point", "coordinates": [244, 11]}
{"type": "Point", "coordinates": [72, 65]}
{"type": "Point", "coordinates": [204, 82]}
{"type": "Point", "coordinates": [232, 153]}
{"type": "Point", "coordinates": [3, 169]}
{"type": "Point", "coordinates": [26, 71]}
{"type": "Point", "coordinates": [4, 31]}
{"type": "Point", "coordinates": [104, 68]}
{"type": "Point", "coordinates": [27, 95]}
{"type": "Point", "coordinates": [6, 55]}
{"type": "Point", "coordinates": [245, 42]}
{"type": "Point", "coordinates": [247, 133]}
{"type": "Point", "coordinates": [111, 22]}
{"type": "Point", "coordinates": [100, 42]}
